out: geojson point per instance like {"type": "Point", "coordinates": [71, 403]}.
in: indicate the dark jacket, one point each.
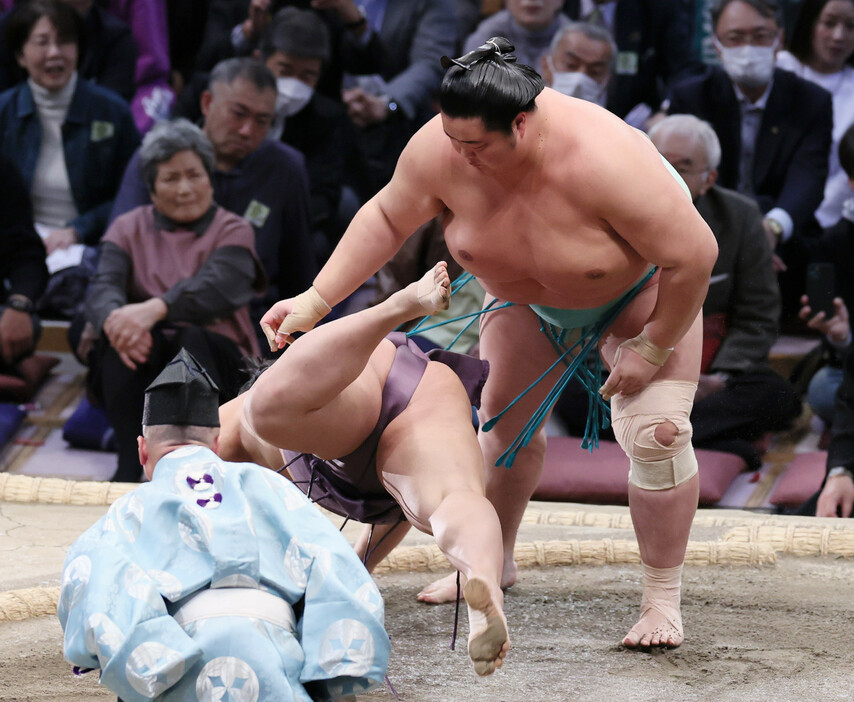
{"type": "Point", "coordinates": [792, 146]}
{"type": "Point", "coordinates": [22, 254]}
{"type": "Point", "coordinates": [840, 452]}
{"type": "Point", "coordinates": [654, 50]}
{"type": "Point", "coordinates": [322, 132]}
{"type": "Point", "coordinates": [743, 286]}
{"type": "Point", "coordinates": [99, 136]}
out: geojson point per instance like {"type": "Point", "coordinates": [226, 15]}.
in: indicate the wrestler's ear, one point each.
{"type": "Point", "coordinates": [520, 122]}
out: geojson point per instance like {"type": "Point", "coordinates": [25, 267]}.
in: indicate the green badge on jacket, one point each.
{"type": "Point", "coordinates": [256, 213]}
{"type": "Point", "coordinates": [101, 130]}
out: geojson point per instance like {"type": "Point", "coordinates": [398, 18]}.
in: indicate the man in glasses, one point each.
{"type": "Point", "coordinates": [774, 129]}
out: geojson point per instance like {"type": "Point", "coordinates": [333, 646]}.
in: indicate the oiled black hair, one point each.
{"type": "Point", "coordinates": [489, 84]}
{"type": "Point", "coordinates": [767, 8]}
{"type": "Point", "coordinates": [253, 367]}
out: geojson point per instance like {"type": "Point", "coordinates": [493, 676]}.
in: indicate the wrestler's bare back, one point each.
{"type": "Point", "coordinates": [556, 221]}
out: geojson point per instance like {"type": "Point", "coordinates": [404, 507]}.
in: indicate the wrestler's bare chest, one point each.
{"type": "Point", "coordinates": [538, 243]}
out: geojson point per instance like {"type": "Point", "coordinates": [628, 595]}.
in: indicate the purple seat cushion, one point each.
{"type": "Point", "coordinates": [572, 474]}
{"type": "Point", "coordinates": [801, 479]}
{"type": "Point", "coordinates": [11, 417]}
{"type": "Point", "coordinates": [89, 428]}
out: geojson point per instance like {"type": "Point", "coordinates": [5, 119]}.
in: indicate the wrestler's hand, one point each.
{"type": "Point", "coordinates": [631, 374]}
{"type": "Point", "coordinates": [838, 494]}
{"type": "Point", "coordinates": [300, 313]}
{"type": "Point", "coordinates": [273, 319]}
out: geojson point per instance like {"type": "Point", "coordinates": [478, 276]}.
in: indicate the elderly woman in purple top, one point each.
{"type": "Point", "coordinates": [178, 272]}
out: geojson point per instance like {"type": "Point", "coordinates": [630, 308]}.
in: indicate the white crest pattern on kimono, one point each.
{"type": "Point", "coordinates": [203, 524]}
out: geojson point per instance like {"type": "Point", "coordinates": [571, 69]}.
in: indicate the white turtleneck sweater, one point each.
{"type": "Point", "coordinates": [53, 203]}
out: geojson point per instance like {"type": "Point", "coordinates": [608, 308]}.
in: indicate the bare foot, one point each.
{"type": "Point", "coordinates": [441, 591]}
{"type": "Point", "coordinates": [488, 639]}
{"type": "Point", "coordinates": [433, 291]}
{"type": "Point", "coordinates": [660, 623]}
{"type": "Point", "coordinates": [444, 590]}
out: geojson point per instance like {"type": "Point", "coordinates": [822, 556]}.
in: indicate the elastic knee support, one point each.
{"type": "Point", "coordinates": [655, 466]}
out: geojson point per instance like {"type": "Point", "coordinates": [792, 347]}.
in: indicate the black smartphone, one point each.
{"type": "Point", "coordinates": [821, 288]}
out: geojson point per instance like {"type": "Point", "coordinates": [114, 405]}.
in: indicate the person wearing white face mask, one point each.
{"type": "Point", "coordinates": [295, 48]}
{"type": "Point", "coordinates": [774, 128]}
{"type": "Point", "coordinates": [579, 62]}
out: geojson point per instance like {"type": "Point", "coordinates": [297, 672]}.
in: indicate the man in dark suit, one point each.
{"type": "Point", "coordinates": [653, 40]}
{"type": "Point", "coordinates": [739, 397]}
{"type": "Point", "coordinates": [296, 48]}
{"type": "Point", "coordinates": [774, 128]}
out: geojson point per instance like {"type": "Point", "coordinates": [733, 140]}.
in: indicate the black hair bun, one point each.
{"type": "Point", "coordinates": [496, 46]}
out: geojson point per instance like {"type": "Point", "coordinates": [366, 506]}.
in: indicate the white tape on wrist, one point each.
{"type": "Point", "coordinates": [647, 350]}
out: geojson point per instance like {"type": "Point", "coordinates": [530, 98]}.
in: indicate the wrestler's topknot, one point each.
{"type": "Point", "coordinates": [488, 83]}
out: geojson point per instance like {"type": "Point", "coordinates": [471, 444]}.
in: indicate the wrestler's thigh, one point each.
{"type": "Point", "coordinates": [338, 427]}
{"type": "Point", "coordinates": [683, 363]}
{"type": "Point", "coordinates": [430, 449]}
{"type": "Point", "coordinates": [518, 353]}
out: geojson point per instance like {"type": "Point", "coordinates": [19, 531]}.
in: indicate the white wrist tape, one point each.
{"type": "Point", "coordinates": [647, 350]}
{"type": "Point", "coordinates": [309, 308]}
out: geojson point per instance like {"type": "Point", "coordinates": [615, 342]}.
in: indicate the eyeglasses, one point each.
{"type": "Point", "coordinates": [688, 172]}
{"type": "Point", "coordinates": [759, 37]}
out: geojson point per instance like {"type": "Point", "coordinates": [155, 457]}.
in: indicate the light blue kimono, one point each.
{"type": "Point", "coordinates": [203, 523]}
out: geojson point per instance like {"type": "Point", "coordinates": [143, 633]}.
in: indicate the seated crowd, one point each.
{"type": "Point", "coordinates": [150, 234]}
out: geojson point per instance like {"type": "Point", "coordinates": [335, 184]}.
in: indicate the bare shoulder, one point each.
{"type": "Point", "coordinates": [425, 156]}
{"type": "Point", "coordinates": [594, 143]}
{"type": "Point", "coordinates": [415, 192]}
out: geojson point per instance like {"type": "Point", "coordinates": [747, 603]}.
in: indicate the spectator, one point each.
{"type": "Point", "coordinates": [177, 273]}
{"type": "Point", "coordinates": [70, 139]}
{"type": "Point", "coordinates": [836, 496]}
{"type": "Point", "coordinates": [147, 20]}
{"type": "Point", "coordinates": [108, 52]}
{"type": "Point", "coordinates": [774, 128]}
{"type": "Point", "coordinates": [739, 397]}
{"type": "Point", "coordinates": [23, 274]}
{"type": "Point", "coordinates": [392, 57]}
{"type": "Point", "coordinates": [654, 50]}
{"type": "Point", "coordinates": [579, 62]}
{"type": "Point", "coordinates": [227, 19]}
{"type": "Point", "coordinates": [821, 50]}
{"type": "Point", "coordinates": [238, 108]}
{"type": "Point", "coordinates": [530, 25]}
{"type": "Point", "coordinates": [296, 49]}
{"type": "Point", "coordinates": [836, 246]}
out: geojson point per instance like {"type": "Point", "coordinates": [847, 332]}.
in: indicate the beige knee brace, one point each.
{"type": "Point", "coordinates": [635, 418]}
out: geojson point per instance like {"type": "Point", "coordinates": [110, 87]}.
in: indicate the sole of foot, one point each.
{"type": "Point", "coordinates": [488, 646]}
